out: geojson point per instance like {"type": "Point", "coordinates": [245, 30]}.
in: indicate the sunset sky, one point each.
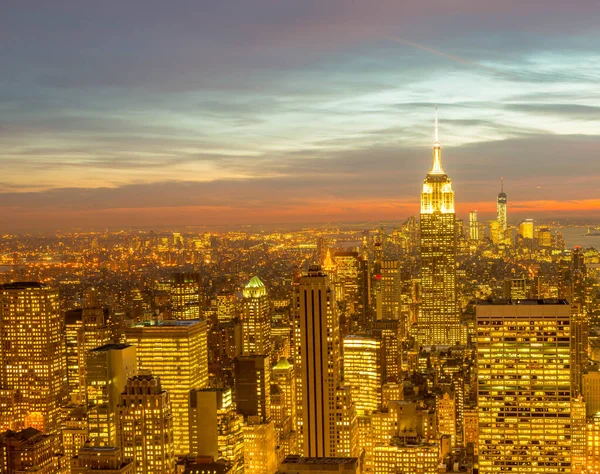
{"type": "Point", "coordinates": [148, 112]}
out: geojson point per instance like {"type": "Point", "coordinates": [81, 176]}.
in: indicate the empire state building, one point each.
{"type": "Point", "coordinates": [438, 322]}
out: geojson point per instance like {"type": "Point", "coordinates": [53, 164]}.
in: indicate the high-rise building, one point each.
{"type": "Point", "coordinates": [439, 318]}
{"type": "Point", "coordinates": [74, 430]}
{"type": "Point", "coordinates": [108, 368]}
{"type": "Point", "coordinates": [526, 229]}
{"type": "Point", "coordinates": [501, 214]}
{"type": "Point", "coordinates": [259, 447]}
{"type": "Point", "coordinates": [215, 427]}
{"type": "Point", "coordinates": [445, 410]}
{"type": "Point", "coordinates": [284, 380]}
{"type": "Point", "coordinates": [390, 334]}
{"type": "Point", "coordinates": [416, 458]}
{"type": "Point", "coordinates": [32, 354]}
{"type": "Point", "coordinates": [253, 386]}
{"type": "Point", "coordinates": [146, 426]}
{"type": "Point", "coordinates": [363, 370]}
{"type": "Point", "coordinates": [318, 364]}
{"type": "Point", "coordinates": [473, 226]}
{"type": "Point", "coordinates": [226, 306]}
{"type": "Point", "coordinates": [256, 318]}
{"type": "Point", "coordinates": [524, 386]}
{"type": "Point", "coordinates": [186, 296]}
{"type": "Point", "coordinates": [390, 289]}
{"type": "Point", "coordinates": [176, 351]}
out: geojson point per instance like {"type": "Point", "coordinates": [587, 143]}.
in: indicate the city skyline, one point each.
{"type": "Point", "coordinates": [269, 113]}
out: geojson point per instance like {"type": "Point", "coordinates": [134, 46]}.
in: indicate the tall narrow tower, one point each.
{"type": "Point", "coordinates": [438, 321]}
{"type": "Point", "coordinates": [501, 213]}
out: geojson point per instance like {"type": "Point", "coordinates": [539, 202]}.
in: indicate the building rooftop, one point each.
{"type": "Point", "coordinates": [543, 301]}
{"type": "Point", "coordinates": [166, 323]}
{"type": "Point", "coordinates": [110, 347]}
{"type": "Point", "coordinates": [22, 285]}
{"type": "Point", "coordinates": [292, 459]}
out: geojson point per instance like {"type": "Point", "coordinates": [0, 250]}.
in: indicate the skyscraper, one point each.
{"type": "Point", "coordinates": [438, 321]}
{"type": "Point", "coordinates": [319, 362]}
{"type": "Point", "coordinates": [176, 351]}
{"type": "Point", "coordinates": [32, 354]}
{"type": "Point", "coordinates": [257, 321]}
{"type": "Point", "coordinates": [363, 370]}
{"type": "Point", "coordinates": [108, 368]}
{"type": "Point", "coordinates": [146, 426]}
{"type": "Point", "coordinates": [501, 214]}
{"type": "Point", "coordinates": [473, 226]}
{"type": "Point", "coordinates": [252, 386]}
{"type": "Point", "coordinates": [524, 386]}
{"type": "Point", "coordinates": [186, 296]}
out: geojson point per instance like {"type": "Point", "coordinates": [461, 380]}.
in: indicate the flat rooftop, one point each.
{"type": "Point", "coordinates": [308, 460]}
{"type": "Point", "coordinates": [22, 285]}
{"type": "Point", "coordinates": [515, 302]}
{"type": "Point", "coordinates": [110, 347]}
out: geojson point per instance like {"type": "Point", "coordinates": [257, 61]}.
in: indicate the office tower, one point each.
{"type": "Point", "coordinates": [445, 410]}
{"type": "Point", "coordinates": [471, 428]}
{"type": "Point", "coordinates": [32, 354]}
{"type": "Point", "coordinates": [146, 426]}
{"type": "Point", "coordinates": [259, 447]}
{"type": "Point", "coordinates": [186, 296]}
{"type": "Point", "coordinates": [417, 458]}
{"type": "Point", "coordinates": [284, 378]}
{"type": "Point", "coordinates": [226, 306]}
{"type": "Point", "coordinates": [526, 229]}
{"type": "Point", "coordinates": [215, 427]}
{"type": "Point", "coordinates": [28, 450]}
{"type": "Point", "coordinates": [319, 362]}
{"type": "Point", "coordinates": [253, 386]}
{"type": "Point", "coordinates": [501, 214]}
{"type": "Point", "coordinates": [473, 226]}
{"type": "Point", "coordinates": [363, 369]}
{"type": "Point", "coordinates": [578, 436]}
{"type": "Point", "coordinates": [390, 289]}
{"type": "Point", "coordinates": [175, 351]}
{"type": "Point", "coordinates": [590, 389]}
{"type": "Point", "coordinates": [593, 444]}
{"type": "Point", "coordinates": [438, 321]}
{"type": "Point", "coordinates": [390, 334]}
{"type": "Point", "coordinates": [517, 288]}
{"type": "Point", "coordinates": [257, 318]}
{"type": "Point", "coordinates": [108, 368]}
{"type": "Point", "coordinates": [524, 386]}
{"type": "Point", "coordinates": [344, 437]}
{"type": "Point", "coordinates": [74, 431]}
{"type": "Point", "coordinates": [101, 460]}
{"type": "Point", "coordinates": [300, 465]}
{"type": "Point", "coordinates": [579, 347]}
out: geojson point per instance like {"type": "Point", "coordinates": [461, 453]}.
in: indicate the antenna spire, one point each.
{"type": "Point", "coordinates": [437, 137]}
{"type": "Point", "coordinates": [501, 184]}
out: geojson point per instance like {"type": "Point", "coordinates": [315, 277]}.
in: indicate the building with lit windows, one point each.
{"type": "Point", "coordinates": [259, 447]}
{"type": "Point", "coordinates": [284, 379]}
{"type": "Point", "coordinates": [445, 409]}
{"type": "Point", "coordinates": [593, 444]}
{"type": "Point", "coordinates": [329, 465]}
{"type": "Point", "coordinates": [253, 386]}
{"type": "Point", "coordinates": [32, 354]}
{"type": "Point", "coordinates": [390, 333]}
{"type": "Point", "coordinates": [176, 351]}
{"type": "Point", "coordinates": [226, 306]}
{"type": "Point", "coordinates": [473, 226]}
{"type": "Point", "coordinates": [215, 427]}
{"type": "Point", "coordinates": [501, 214]}
{"type": "Point", "coordinates": [101, 460]}
{"type": "Point", "coordinates": [526, 229]}
{"type": "Point", "coordinates": [319, 362]}
{"type": "Point", "coordinates": [419, 458]}
{"type": "Point", "coordinates": [28, 450]}
{"type": "Point", "coordinates": [524, 386]}
{"type": "Point", "coordinates": [438, 321]}
{"type": "Point", "coordinates": [108, 368]}
{"type": "Point", "coordinates": [186, 296]}
{"type": "Point", "coordinates": [390, 289]}
{"type": "Point", "coordinates": [146, 426]}
{"type": "Point", "coordinates": [74, 432]}
{"type": "Point", "coordinates": [363, 361]}
{"type": "Point", "coordinates": [256, 318]}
